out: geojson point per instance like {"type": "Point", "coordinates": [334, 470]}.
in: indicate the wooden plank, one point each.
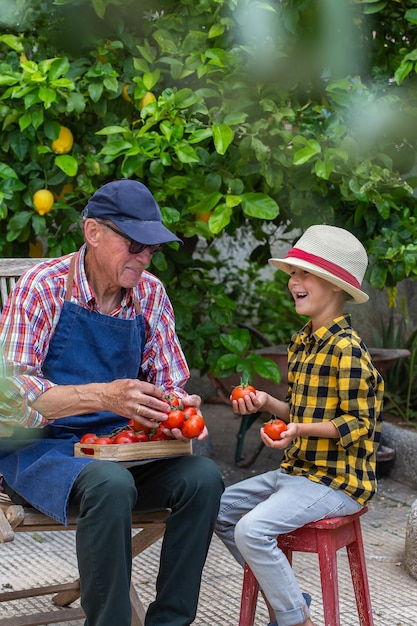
{"type": "Point", "coordinates": [16, 267]}
{"type": "Point", "coordinates": [134, 451]}
{"type": "Point", "coordinates": [52, 617]}
{"type": "Point", "coordinates": [6, 531]}
{"type": "Point", "coordinates": [40, 591]}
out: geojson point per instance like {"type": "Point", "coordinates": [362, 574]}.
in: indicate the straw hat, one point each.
{"type": "Point", "coordinates": [333, 254]}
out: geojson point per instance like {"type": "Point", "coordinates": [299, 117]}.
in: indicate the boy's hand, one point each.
{"type": "Point", "coordinates": [250, 403]}
{"type": "Point", "coordinates": [286, 437]}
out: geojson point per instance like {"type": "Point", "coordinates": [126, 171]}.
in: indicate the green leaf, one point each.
{"type": "Point", "coordinates": [47, 95]}
{"type": "Point", "coordinates": [51, 128]}
{"type": "Point", "coordinates": [237, 341]}
{"type": "Point", "coordinates": [67, 163]}
{"type": "Point", "coordinates": [323, 169]}
{"type": "Point", "coordinates": [95, 90]}
{"type": "Point", "coordinates": [185, 153]}
{"type": "Point", "coordinates": [260, 206]}
{"type": "Point", "coordinates": [147, 52]}
{"type": "Point", "coordinates": [185, 98]}
{"type": "Point", "coordinates": [111, 83]}
{"type": "Point", "coordinates": [25, 121]}
{"type": "Point", "coordinates": [13, 42]}
{"type": "Point", "coordinates": [374, 6]}
{"type": "Point", "coordinates": [58, 68]}
{"type": "Point", "coordinates": [227, 364]}
{"type": "Point", "coordinates": [200, 135]}
{"type": "Point", "coordinates": [17, 223]}
{"type": "Point", "coordinates": [7, 172]}
{"type": "Point", "coordinates": [305, 154]}
{"type": "Point", "coordinates": [220, 218]}
{"type": "Point", "coordinates": [99, 7]}
{"type": "Point", "coordinates": [403, 71]}
{"type": "Point", "coordinates": [411, 16]}
{"type": "Point", "coordinates": [207, 203]}
{"type": "Point", "coordinates": [265, 367]}
{"type": "Point", "coordinates": [232, 201]}
{"type": "Point", "coordinates": [112, 130]}
{"type": "Point", "coordinates": [216, 30]}
{"type": "Point", "coordinates": [223, 137]}
{"type": "Point", "coordinates": [150, 79]}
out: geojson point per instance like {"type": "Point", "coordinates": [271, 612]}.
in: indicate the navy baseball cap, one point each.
{"type": "Point", "coordinates": [130, 206]}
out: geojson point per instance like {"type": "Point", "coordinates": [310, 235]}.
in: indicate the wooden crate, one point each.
{"type": "Point", "coordinates": [134, 451]}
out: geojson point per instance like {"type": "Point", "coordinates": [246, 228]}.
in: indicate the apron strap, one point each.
{"type": "Point", "coordinates": [70, 280]}
{"type": "Point", "coordinates": [70, 283]}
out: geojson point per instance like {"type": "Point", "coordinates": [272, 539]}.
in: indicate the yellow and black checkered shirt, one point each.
{"type": "Point", "coordinates": [331, 377]}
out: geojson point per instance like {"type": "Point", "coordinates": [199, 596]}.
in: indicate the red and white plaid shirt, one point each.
{"type": "Point", "coordinates": [31, 315]}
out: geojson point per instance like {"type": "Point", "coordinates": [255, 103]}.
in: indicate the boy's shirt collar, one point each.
{"type": "Point", "coordinates": [321, 335]}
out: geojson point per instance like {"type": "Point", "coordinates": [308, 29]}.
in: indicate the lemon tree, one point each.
{"type": "Point", "coordinates": [244, 118]}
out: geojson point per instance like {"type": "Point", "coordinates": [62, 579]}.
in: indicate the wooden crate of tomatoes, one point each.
{"type": "Point", "coordinates": [134, 442]}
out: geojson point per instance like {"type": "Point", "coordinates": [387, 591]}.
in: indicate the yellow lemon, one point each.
{"type": "Point", "coordinates": [43, 201]}
{"type": "Point", "coordinates": [204, 217]}
{"type": "Point", "coordinates": [125, 94]}
{"type": "Point", "coordinates": [66, 189]}
{"type": "Point", "coordinates": [147, 99]}
{"type": "Point", "coordinates": [63, 144]}
{"type": "Point", "coordinates": [36, 249]}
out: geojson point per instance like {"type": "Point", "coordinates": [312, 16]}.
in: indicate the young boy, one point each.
{"type": "Point", "coordinates": [333, 415]}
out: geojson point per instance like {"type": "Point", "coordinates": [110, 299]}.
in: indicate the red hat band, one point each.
{"type": "Point", "coordinates": [328, 266]}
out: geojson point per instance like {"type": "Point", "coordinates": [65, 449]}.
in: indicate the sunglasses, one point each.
{"type": "Point", "coordinates": [134, 246]}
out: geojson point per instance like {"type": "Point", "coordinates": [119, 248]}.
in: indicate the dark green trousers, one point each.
{"type": "Point", "coordinates": [105, 493]}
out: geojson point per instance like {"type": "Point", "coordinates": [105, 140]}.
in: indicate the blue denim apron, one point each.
{"type": "Point", "coordinates": [87, 347]}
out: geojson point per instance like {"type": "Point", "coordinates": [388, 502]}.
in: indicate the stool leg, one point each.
{"type": "Point", "coordinates": [357, 564]}
{"type": "Point", "coordinates": [250, 589]}
{"type": "Point", "coordinates": [328, 576]}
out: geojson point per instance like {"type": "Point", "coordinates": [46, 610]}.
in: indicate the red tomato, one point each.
{"type": "Point", "coordinates": [173, 400]}
{"type": "Point", "coordinates": [175, 419]}
{"type": "Point", "coordinates": [274, 428]}
{"type": "Point", "coordinates": [241, 391]}
{"type": "Point", "coordinates": [139, 427]}
{"type": "Point", "coordinates": [103, 441]}
{"type": "Point", "coordinates": [193, 426]}
{"type": "Point", "coordinates": [88, 438]}
{"type": "Point", "coordinates": [128, 432]}
{"type": "Point", "coordinates": [141, 436]}
{"type": "Point", "coordinates": [123, 437]}
{"type": "Point", "coordinates": [190, 410]}
{"type": "Point", "coordinates": [159, 435]}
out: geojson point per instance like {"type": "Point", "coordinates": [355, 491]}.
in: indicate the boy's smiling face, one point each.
{"type": "Point", "coordinates": [315, 297]}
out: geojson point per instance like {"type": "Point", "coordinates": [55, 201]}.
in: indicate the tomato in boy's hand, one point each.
{"type": "Point", "coordinates": [241, 391]}
{"type": "Point", "coordinates": [274, 428]}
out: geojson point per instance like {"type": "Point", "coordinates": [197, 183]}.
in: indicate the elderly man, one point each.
{"type": "Point", "coordinates": [89, 341]}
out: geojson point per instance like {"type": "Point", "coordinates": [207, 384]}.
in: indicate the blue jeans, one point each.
{"type": "Point", "coordinates": [255, 511]}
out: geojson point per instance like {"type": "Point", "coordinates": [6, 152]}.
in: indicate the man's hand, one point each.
{"type": "Point", "coordinates": [195, 401]}
{"type": "Point", "coordinates": [138, 400]}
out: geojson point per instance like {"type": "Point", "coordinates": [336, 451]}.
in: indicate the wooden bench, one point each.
{"type": "Point", "coordinates": [18, 519]}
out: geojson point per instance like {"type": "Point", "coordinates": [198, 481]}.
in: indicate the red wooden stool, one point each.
{"type": "Point", "coordinates": [324, 538]}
